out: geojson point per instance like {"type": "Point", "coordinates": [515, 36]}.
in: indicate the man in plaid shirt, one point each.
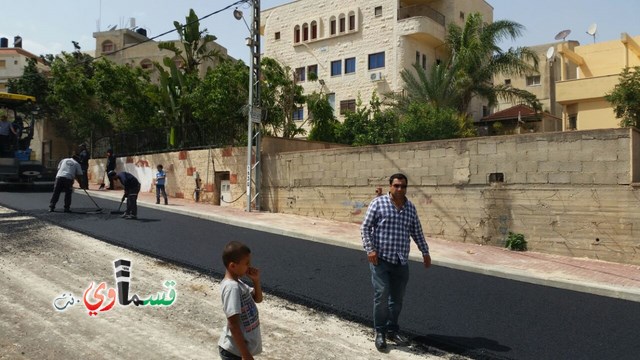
{"type": "Point", "coordinates": [386, 228]}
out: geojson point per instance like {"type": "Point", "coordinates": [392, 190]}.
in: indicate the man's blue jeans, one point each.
{"type": "Point", "coordinates": [389, 285]}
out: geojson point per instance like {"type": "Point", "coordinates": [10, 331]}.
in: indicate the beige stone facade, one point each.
{"type": "Point", "coordinates": [12, 63]}
{"type": "Point", "coordinates": [359, 47]}
{"type": "Point", "coordinates": [134, 48]}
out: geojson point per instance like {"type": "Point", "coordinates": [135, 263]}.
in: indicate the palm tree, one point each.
{"type": "Point", "coordinates": [475, 54]}
{"type": "Point", "coordinates": [474, 59]}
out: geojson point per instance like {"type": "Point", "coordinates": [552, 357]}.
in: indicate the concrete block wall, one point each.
{"type": "Point", "coordinates": [568, 193]}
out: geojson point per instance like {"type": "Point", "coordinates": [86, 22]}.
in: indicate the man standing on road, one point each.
{"type": "Point", "coordinates": [111, 166]}
{"type": "Point", "coordinates": [131, 190]}
{"type": "Point", "coordinates": [84, 164]}
{"type": "Point", "coordinates": [68, 169]}
{"type": "Point", "coordinates": [389, 222]}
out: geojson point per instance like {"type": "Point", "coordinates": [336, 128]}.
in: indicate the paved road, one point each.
{"type": "Point", "coordinates": [477, 315]}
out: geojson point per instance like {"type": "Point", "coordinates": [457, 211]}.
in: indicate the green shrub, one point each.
{"type": "Point", "coordinates": [516, 242]}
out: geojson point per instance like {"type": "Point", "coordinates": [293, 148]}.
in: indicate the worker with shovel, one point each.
{"type": "Point", "coordinates": [68, 169]}
{"type": "Point", "coordinates": [131, 190]}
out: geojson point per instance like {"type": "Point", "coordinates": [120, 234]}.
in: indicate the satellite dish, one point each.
{"type": "Point", "coordinates": [113, 27]}
{"type": "Point", "coordinates": [551, 51]}
{"type": "Point", "coordinates": [563, 34]}
{"type": "Point", "coordinates": [592, 30]}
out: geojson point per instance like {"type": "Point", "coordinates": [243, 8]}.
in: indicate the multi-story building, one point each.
{"type": "Point", "coordinates": [542, 83]}
{"type": "Point", "coordinates": [13, 60]}
{"type": "Point", "coordinates": [134, 48]}
{"type": "Point", "coordinates": [359, 47]}
{"type": "Point", "coordinates": [598, 68]}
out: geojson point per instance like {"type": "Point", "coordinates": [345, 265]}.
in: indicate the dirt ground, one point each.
{"type": "Point", "coordinates": [40, 263]}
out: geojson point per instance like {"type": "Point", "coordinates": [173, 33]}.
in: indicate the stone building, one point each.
{"type": "Point", "coordinates": [134, 48]}
{"type": "Point", "coordinates": [359, 47]}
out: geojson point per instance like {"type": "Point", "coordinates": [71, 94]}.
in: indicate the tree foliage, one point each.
{"type": "Point", "coordinates": [476, 59]}
{"type": "Point", "coordinates": [369, 125]}
{"type": "Point", "coordinates": [324, 124]}
{"type": "Point", "coordinates": [424, 121]}
{"type": "Point", "coordinates": [280, 97]}
{"type": "Point", "coordinates": [219, 100]}
{"type": "Point", "coordinates": [625, 97]}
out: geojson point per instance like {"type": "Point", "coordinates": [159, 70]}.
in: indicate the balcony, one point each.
{"type": "Point", "coordinates": [423, 23]}
{"type": "Point", "coordinates": [572, 91]}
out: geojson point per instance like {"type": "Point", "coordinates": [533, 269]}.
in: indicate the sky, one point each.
{"type": "Point", "coordinates": [48, 27]}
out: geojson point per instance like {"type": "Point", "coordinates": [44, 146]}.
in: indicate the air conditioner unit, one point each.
{"type": "Point", "coordinates": [376, 76]}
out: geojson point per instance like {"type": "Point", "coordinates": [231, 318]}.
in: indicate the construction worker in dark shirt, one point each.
{"type": "Point", "coordinates": [84, 163]}
{"type": "Point", "coordinates": [131, 190]}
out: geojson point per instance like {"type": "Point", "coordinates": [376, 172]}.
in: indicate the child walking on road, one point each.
{"type": "Point", "coordinates": [241, 337]}
{"type": "Point", "coordinates": [160, 179]}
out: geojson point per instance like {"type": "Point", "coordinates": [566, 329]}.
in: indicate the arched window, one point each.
{"type": "Point", "coordinates": [342, 23]}
{"type": "Point", "coordinates": [296, 34]}
{"type": "Point", "coordinates": [108, 47]}
{"type": "Point", "coordinates": [146, 64]}
{"type": "Point", "coordinates": [314, 30]}
{"type": "Point", "coordinates": [332, 26]}
{"type": "Point", "coordinates": [352, 21]}
{"type": "Point", "coordinates": [305, 32]}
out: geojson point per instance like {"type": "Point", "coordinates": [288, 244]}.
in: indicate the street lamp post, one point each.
{"type": "Point", "coordinates": [254, 112]}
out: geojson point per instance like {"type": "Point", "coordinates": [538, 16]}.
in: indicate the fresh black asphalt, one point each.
{"type": "Point", "coordinates": [475, 315]}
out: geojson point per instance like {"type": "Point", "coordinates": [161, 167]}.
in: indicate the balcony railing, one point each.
{"type": "Point", "coordinates": [420, 10]}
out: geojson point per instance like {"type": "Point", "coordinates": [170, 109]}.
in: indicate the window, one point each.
{"type": "Point", "coordinates": [296, 34]}
{"type": "Point", "coordinates": [314, 30]}
{"type": "Point", "coordinates": [485, 110]}
{"type": "Point", "coordinates": [332, 26]}
{"type": "Point", "coordinates": [300, 74]}
{"type": "Point", "coordinates": [342, 23]}
{"type": "Point", "coordinates": [462, 15]}
{"type": "Point", "coordinates": [277, 35]}
{"type": "Point", "coordinates": [349, 65]}
{"type": "Point", "coordinates": [305, 32]}
{"type": "Point", "coordinates": [298, 114]}
{"type": "Point", "coordinates": [146, 64]}
{"type": "Point", "coordinates": [424, 61]}
{"type": "Point", "coordinates": [376, 60]}
{"type": "Point", "coordinates": [3, 64]}
{"type": "Point", "coordinates": [331, 98]}
{"type": "Point", "coordinates": [573, 122]}
{"type": "Point", "coordinates": [312, 69]}
{"type": "Point", "coordinates": [533, 80]}
{"type": "Point", "coordinates": [507, 81]}
{"type": "Point", "coordinates": [347, 105]}
{"type": "Point", "coordinates": [377, 11]}
{"type": "Point", "coordinates": [352, 22]}
{"type": "Point", "coordinates": [108, 46]}
{"type": "Point", "coordinates": [336, 68]}
{"type": "Point", "coordinates": [417, 57]}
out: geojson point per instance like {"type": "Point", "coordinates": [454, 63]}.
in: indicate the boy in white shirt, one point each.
{"type": "Point", "coordinates": [241, 337]}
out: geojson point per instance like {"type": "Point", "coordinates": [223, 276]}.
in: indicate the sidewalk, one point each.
{"type": "Point", "coordinates": [578, 274]}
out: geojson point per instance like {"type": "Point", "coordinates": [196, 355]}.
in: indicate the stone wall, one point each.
{"type": "Point", "coordinates": [569, 193]}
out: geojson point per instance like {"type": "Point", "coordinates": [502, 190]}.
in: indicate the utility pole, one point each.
{"type": "Point", "coordinates": [255, 113]}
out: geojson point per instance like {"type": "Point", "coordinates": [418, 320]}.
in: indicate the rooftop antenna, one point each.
{"type": "Point", "coordinates": [593, 29]}
{"type": "Point", "coordinates": [563, 34]}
